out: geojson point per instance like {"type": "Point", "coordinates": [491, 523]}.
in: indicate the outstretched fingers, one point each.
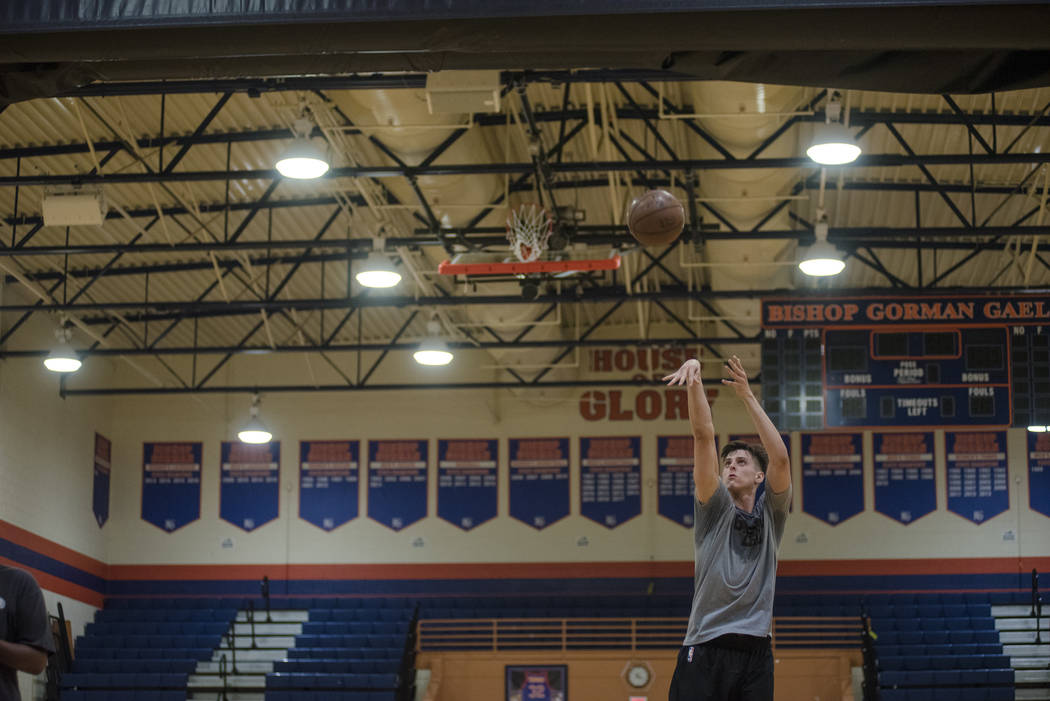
{"type": "Point", "coordinates": [676, 378]}
{"type": "Point", "coordinates": [737, 375]}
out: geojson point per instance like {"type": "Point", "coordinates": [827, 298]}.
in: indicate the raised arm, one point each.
{"type": "Point", "coordinates": [705, 457]}
{"type": "Point", "coordinates": [778, 472]}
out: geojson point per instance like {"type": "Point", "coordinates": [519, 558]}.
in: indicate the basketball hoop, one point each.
{"type": "Point", "coordinates": [528, 229]}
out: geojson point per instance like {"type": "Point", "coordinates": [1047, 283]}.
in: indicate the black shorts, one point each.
{"type": "Point", "coordinates": [728, 668]}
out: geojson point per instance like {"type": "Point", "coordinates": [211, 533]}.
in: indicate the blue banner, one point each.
{"type": "Point", "coordinates": [467, 481]}
{"type": "Point", "coordinates": [977, 474]}
{"type": "Point", "coordinates": [171, 484]}
{"type": "Point", "coordinates": [674, 470]}
{"type": "Point", "coordinates": [328, 482]}
{"type": "Point", "coordinates": [1039, 472]}
{"type": "Point", "coordinates": [539, 480]}
{"type": "Point", "coordinates": [905, 489]}
{"type": "Point", "coordinates": [250, 481]}
{"type": "Point", "coordinates": [610, 479]}
{"type": "Point", "coordinates": [100, 481]}
{"type": "Point", "coordinates": [832, 476]}
{"type": "Point", "coordinates": [397, 481]}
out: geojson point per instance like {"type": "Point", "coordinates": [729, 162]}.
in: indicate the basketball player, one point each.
{"type": "Point", "coordinates": [726, 655]}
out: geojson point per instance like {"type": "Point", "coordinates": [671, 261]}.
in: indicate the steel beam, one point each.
{"type": "Point", "coordinates": [271, 296]}
{"type": "Point", "coordinates": [647, 121]}
{"type": "Point", "coordinates": [862, 118]}
{"type": "Point", "coordinates": [877, 265]}
{"type": "Point", "coordinates": [376, 81]}
{"type": "Point", "coordinates": [386, 351]}
{"type": "Point", "coordinates": [969, 124]}
{"type": "Point", "coordinates": [787, 125]}
{"type": "Point", "coordinates": [810, 183]}
{"type": "Point", "coordinates": [593, 235]}
{"type": "Point", "coordinates": [392, 171]}
{"type": "Point", "coordinates": [170, 166]}
{"type": "Point", "coordinates": [273, 389]}
{"type": "Point", "coordinates": [355, 249]}
{"type": "Point", "coordinates": [661, 342]}
{"type": "Point", "coordinates": [596, 295]}
{"type": "Point", "coordinates": [969, 160]}
{"type": "Point", "coordinates": [690, 123]}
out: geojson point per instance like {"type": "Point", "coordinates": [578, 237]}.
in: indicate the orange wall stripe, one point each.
{"type": "Point", "coordinates": [984, 565]}
{"type": "Point", "coordinates": [59, 586]}
{"type": "Point", "coordinates": [49, 548]}
{"type": "Point", "coordinates": [567, 570]}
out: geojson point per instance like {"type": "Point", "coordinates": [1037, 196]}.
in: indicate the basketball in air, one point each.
{"type": "Point", "coordinates": [656, 218]}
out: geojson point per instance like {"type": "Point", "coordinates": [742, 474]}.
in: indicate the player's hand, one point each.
{"type": "Point", "coordinates": [688, 374]}
{"type": "Point", "coordinates": [737, 378]}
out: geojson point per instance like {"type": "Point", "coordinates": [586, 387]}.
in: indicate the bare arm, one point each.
{"type": "Point", "coordinates": [705, 457]}
{"type": "Point", "coordinates": [24, 658]}
{"type": "Point", "coordinates": [778, 472]}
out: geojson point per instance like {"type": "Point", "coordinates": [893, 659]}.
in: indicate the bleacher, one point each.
{"type": "Point", "coordinates": [938, 647]}
{"type": "Point", "coordinates": [927, 646]}
{"type": "Point", "coordinates": [346, 649]}
{"type": "Point", "coordinates": [349, 649]}
{"type": "Point", "coordinates": [144, 650]}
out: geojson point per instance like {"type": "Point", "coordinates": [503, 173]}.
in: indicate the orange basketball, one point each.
{"type": "Point", "coordinates": [656, 218]}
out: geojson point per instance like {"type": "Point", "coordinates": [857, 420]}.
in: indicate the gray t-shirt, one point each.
{"type": "Point", "coordinates": [736, 565]}
{"type": "Point", "coordinates": [23, 619]}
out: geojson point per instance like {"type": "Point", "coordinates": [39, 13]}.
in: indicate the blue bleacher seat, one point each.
{"type": "Point", "coordinates": [1000, 693]}
{"type": "Point", "coordinates": [893, 695]}
{"type": "Point", "coordinates": [1000, 677]}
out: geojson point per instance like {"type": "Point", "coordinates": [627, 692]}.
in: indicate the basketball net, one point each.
{"type": "Point", "coordinates": [528, 229]}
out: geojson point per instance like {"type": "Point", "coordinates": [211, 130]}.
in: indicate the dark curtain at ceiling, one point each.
{"type": "Point", "coordinates": [903, 47]}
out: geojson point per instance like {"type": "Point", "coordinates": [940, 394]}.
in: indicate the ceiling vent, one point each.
{"type": "Point", "coordinates": [463, 91]}
{"type": "Point", "coordinates": [74, 206]}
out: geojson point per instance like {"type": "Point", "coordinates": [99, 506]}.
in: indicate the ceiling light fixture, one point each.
{"type": "Point", "coordinates": [832, 143]}
{"type": "Point", "coordinates": [433, 350]}
{"type": "Point", "coordinates": [1037, 428]}
{"type": "Point", "coordinates": [822, 259]}
{"type": "Point", "coordinates": [377, 270]}
{"type": "Point", "coordinates": [255, 430]}
{"type": "Point", "coordinates": [303, 159]}
{"type": "Point", "coordinates": [62, 357]}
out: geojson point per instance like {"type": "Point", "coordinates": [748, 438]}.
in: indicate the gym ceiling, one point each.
{"type": "Point", "coordinates": [208, 261]}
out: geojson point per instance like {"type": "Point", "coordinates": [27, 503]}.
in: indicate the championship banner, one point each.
{"type": "Point", "coordinates": [905, 489]}
{"type": "Point", "coordinates": [100, 481]}
{"type": "Point", "coordinates": [832, 476]}
{"type": "Point", "coordinates": [674, 469]}
{"type": "Point", "coordinates": [250, 481]}
{"type": "Point", "coordinates": [1039, 472]}
{"type": "Point", "coordinates": [610, 479]}
{"type": "Point", "coordinates": [171, 484]}
{"type": "Point", "coordinates": [977, 474]}
{"type": "Point", "coordinates": [467, 491]}
{"type": "Point", "coordinates": [328, 482]}
{"type": "Point", "coordinates": [539, 480]}
{"type": "Point", "coordinates": [537, 683]}
{"type": "Point", "coordinates": [397, 481]}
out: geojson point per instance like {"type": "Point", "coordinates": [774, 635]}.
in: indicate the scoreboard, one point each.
{"type": "Point", "coordinates": [906, 362]}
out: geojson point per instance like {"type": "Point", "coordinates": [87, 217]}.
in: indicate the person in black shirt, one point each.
{"type": "Point", "coordinates": [25, 636]}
